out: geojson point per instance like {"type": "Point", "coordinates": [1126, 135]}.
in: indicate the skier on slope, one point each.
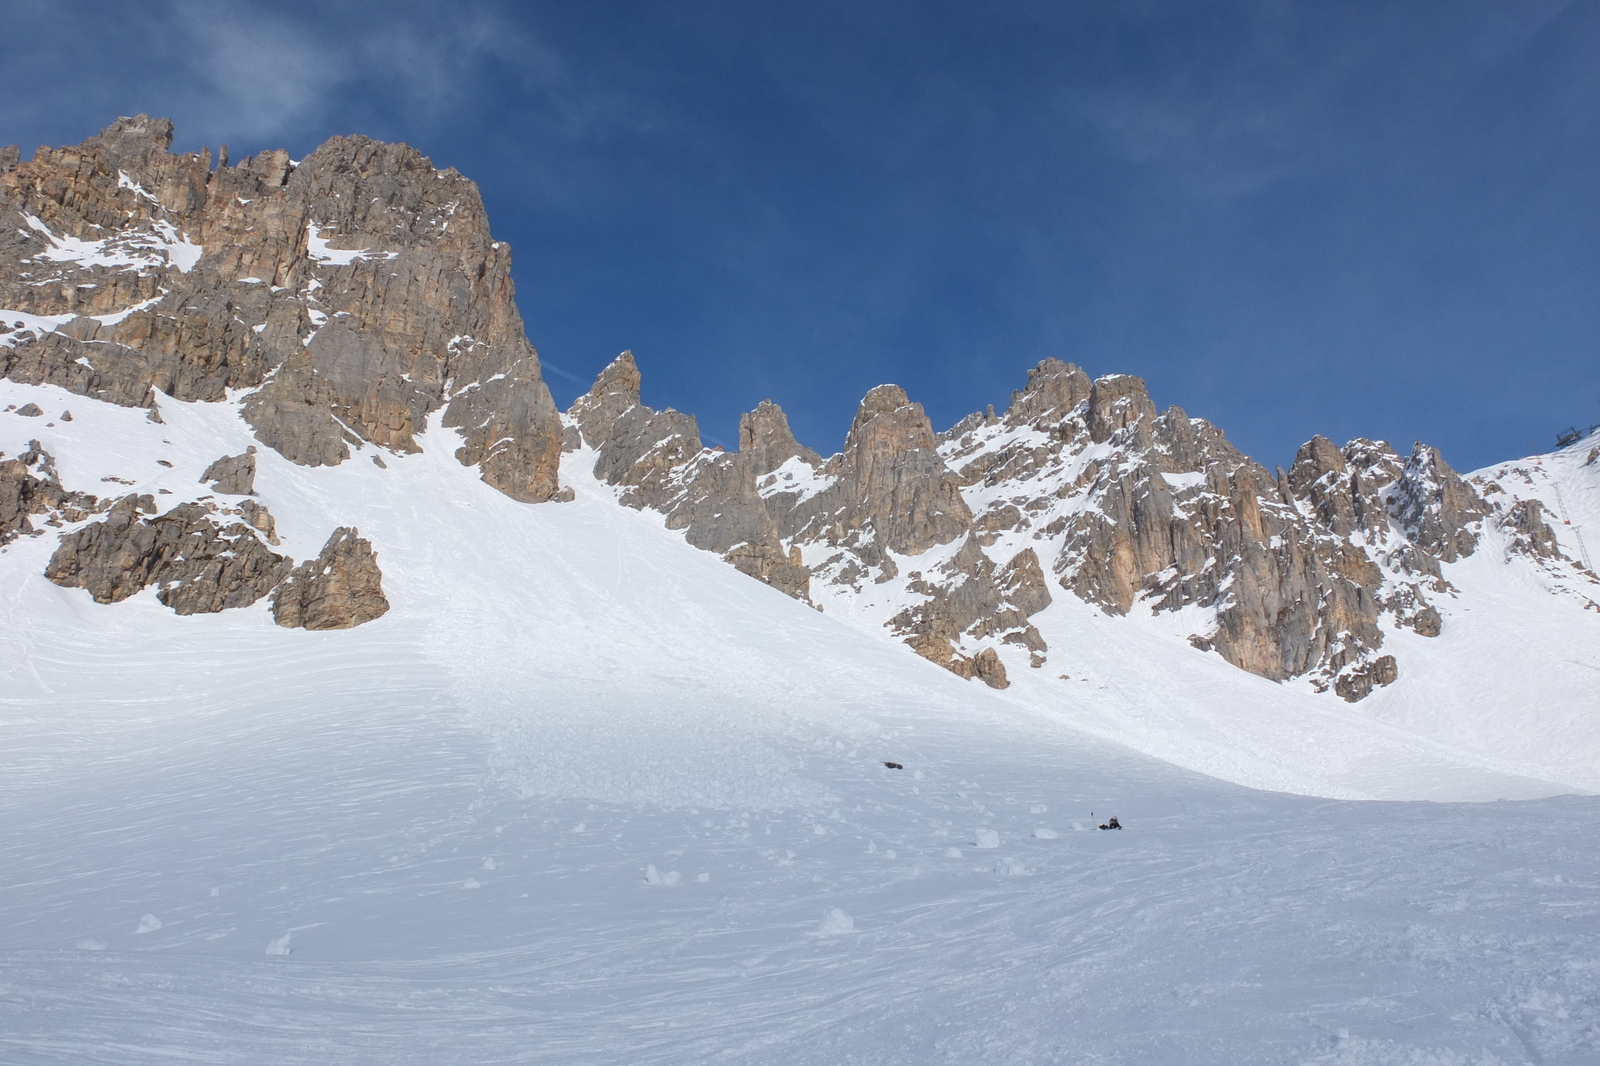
{"type": "Point", "coordinates": [1112, 824]}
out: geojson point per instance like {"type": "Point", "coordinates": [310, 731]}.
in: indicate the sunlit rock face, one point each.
{"type": "Point", "coordinates": [349, 295]}
{"type": "Point", "coordinates": [343, 301]}
{"type": "Point", "coordinates": [1081, 487]}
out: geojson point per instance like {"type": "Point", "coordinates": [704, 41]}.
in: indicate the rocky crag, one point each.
{"type": "Point", "coordinates": [348, 295]}
{"type": "Point", "coordinates": [208, 557]}
{"type": "Point", "coordinates": [1296, 574]}
{"type": "Point", "coordinates": [343, 300]}
{"type": "Point", "coordinates": [340, 588]}
{"type": "Point", "coordinates": [30, 487]}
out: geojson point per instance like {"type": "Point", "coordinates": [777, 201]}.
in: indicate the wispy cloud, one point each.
{"type": "Point", "coordinates": [266, 70]}
{"type": "Point", "coordinates": [1287, 90]}
{"type": "Point", "coordinates": [250, 70]}
{"type": "Point", "coordinates": [257, 73]}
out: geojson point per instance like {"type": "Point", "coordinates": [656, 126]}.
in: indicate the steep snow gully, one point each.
{"type": "Point", "coordinates": [589, 795]}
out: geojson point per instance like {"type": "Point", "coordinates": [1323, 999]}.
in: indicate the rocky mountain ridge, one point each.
{"type": "Point", "coordinates": [343, 302]}
{"type": "Point", "coordinates": [1295, 574]}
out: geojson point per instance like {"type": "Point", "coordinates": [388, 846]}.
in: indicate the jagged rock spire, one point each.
{"type": "Point", "coordinates": [766, 441]}
{"type": "Point", "coordinates": [1436, 507]}
{"type": "Point", "coordinates": [615, 391]}
{"type": "Point", "coordinates": [1116, 402]}
{"type": "Point", "coordinates": [1053, 391]}
{"type": "Point", "coordinates": [894, 479]}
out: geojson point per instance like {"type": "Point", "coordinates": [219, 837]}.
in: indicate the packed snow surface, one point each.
{"type": "Point", "coordinates": [588, 795]}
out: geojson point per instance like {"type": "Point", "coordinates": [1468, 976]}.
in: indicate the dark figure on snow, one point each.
{"type": "Point", "coordinates": [1113, 824]}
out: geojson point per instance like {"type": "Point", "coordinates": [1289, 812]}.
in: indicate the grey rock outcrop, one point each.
{"type": "Point", "coordinates": [614, 392]}
{"type": "Point", "coordinates": [657, 459]}
{"type": "Point", "coordinates": [892, 480]}
{"type": "Point", "coordinates": [1082, 484]}
{"type": "Point", "coordinates": [233, 475]}
{"type": "Point", "coordinates": [257, 518]}
{"type": "Point", "coordinates": [342, 587]}
{"type": "Point", "coordinates": [1054, 390]}
{"type": "Point", "coordinates": [985, 666]}
{"type": "Point", "coordinates": [1435, 507]}
{"type": "Point", "coordinates": [29, 486]}
{"type": "Point", "coordinates": [1357, 684]}
{"type": "Point", "coordinates": [351, 294]}
{"type": "Point", "coordinates": [197, 565]}
{"type": "Point", "coordinates": [1529, 533]}
{"type": "Point", "coordinates": [969, 598]}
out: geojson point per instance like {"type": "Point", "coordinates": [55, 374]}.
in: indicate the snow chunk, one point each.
{"type": "Point", "coordinates": [652, 876]}
{"type": "Point", "coordinates": [987, 838]}
{"type": "Point", "coordinates": [148, 924]}
{"type": "Point", "coordinates": [280, 946]}
{"type": "Point", "coordinates": [836, 923]}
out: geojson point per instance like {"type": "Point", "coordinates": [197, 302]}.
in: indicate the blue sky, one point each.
{"type": "Point", "coordinates": [1348, 218]}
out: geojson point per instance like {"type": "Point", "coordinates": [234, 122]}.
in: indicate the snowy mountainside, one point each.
{"type": "Point", "coordinates": [358, 707]}
{"type": "Point", "coordinates": [336, 304]}
{"type": "Point", "coordinates": [588, 794]}
{"type": "Point", "coordinates": [996, 550]}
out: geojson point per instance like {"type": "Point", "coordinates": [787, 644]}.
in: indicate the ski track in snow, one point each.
{"type": "Point", "coordinates": [565, 696]}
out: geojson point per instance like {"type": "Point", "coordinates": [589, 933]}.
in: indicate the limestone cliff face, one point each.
{"type": "Point", "coordinates": [1135, 507]}
{"type": "Point", "coordinates": [1081, 488]}
{"type": "Point", "coordinates": [1299, 572]}
{"type": "Point", "coordinates": [351, 294]}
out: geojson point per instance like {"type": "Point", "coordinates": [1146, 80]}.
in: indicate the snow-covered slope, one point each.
{"type": "Point", "coordinates": [1509, 685]}
{"type": "Point", "coordinates": [586, 794]}
{"type": "Point", "coordinates": [1512, 682]}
